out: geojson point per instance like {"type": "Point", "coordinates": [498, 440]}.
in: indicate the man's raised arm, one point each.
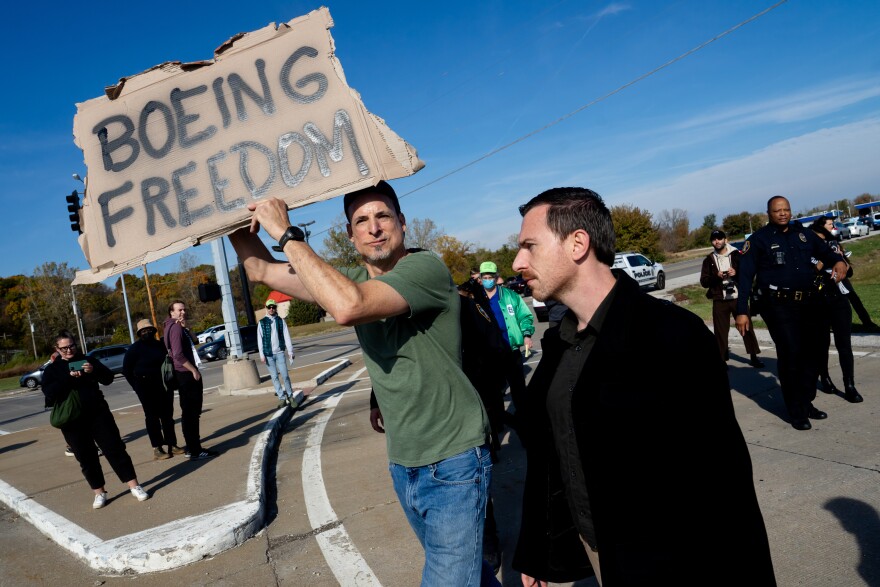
{"type": "Point", "coordinates": [310, 278]}
{"type": "Point", "coordinates": [261, 266]}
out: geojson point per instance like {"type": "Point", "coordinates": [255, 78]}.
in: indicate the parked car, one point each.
{"type": "Point", "coordinates": [111, 356]}
{"type": "Point", "coordinates": [875, 218]}
{"type": "Point", "coordinates": [211, 334]}
{"type": "Point", "coordinates": [843, 231]}
{"type": "Point", "coordinates": [645, 271]}
{"type": "Point", "coordinates": [34, 378]}
{"type": "Point", "coordinates": [867, 222]}
{"type": "Point", "coordinates": [217, 348]}
{"type": "Point", "coordinates": [855, 229]}
{"type": "Point", "coordinates": [519, 285]}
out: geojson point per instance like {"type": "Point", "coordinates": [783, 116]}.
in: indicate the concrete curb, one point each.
{"type": "Point", "coordinates": [149, 551]}
{"type": "Point", "coordinates": [325, 374]}
{"type": "Point", "coordinates": [308, 383]}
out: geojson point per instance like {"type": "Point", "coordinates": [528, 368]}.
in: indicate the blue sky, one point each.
{"type": "Point", "coordinates": [787, 104]}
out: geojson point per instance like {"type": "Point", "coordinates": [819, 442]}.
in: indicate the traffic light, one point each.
{"type": "Point", "coordinates": [209, 292]}
{"type": "Point", "coordinates": [73, 209]}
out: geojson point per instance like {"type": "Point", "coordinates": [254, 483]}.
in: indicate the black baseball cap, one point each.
{"type": "Point", "coordinates": [717, 234]}
{"type": "Point", "coordinates": [382, 188]}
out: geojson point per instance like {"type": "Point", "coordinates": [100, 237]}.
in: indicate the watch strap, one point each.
{"type": "Point", "coordinates": [292, 233]}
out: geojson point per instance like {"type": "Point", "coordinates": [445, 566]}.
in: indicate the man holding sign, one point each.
{"type": "Point", "coordinates": [405, 310]}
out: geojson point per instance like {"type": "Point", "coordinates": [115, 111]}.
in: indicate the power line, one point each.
{"type": "Point", "coordinates": [599, 99]}
{"type": "Point", "coordinates": [591, 103]}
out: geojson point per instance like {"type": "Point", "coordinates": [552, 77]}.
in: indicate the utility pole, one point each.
{"type": "Point", "coordinates": [304, 226]}
{"type": "Point", "coordinates": [150, 297]}
{"type": "Point", "coordinates": [33, 338]}
{"type": "Point", "coordinates": [79, 326]}
{"type": "Point", "coordinates": [127, 312]}
{"type": "Point", "coordinates": [227, 305]}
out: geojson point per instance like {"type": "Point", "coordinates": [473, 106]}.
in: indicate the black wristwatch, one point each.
{"type": "Point", "coordinates": [292, 233]}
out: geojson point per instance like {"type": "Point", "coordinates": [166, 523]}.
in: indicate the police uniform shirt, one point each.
{"type": "Point", "coordinates": [781, 259]}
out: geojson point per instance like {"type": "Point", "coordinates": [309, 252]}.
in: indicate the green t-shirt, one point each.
{"type": "Point", "coordinates": [430, 409]}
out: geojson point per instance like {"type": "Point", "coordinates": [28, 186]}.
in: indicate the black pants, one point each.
{"type": "Point", "coordinates": [191, 395]}
{"type": "Point", "coordinates": [96, 425]}
{"type": "Point", "coordinates": [158, 407]}
{"type": "Point", "coordinates": [839, 319]}
{"type": "Point", "coordinates": [857, 304]}
{"type": "Point", "coordinates": [512, 364]}
{"type": "Point", "coordinates": [798, 346]}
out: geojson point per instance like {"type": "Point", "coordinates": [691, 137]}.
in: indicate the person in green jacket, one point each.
{"type": "Point", "coordinates": [511, 314]}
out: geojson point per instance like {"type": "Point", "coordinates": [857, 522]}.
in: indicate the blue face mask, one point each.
{"type": "Point", "coordinates": [488, 283]}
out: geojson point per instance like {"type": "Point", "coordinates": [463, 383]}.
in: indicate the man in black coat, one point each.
{"type": "Point", "coordinates": [642, 482]}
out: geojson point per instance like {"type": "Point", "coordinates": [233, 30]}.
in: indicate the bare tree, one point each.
{"type": "Point", "coordinates": [423, 234]}
{"type": "Point", "coordinates": [673, 227]}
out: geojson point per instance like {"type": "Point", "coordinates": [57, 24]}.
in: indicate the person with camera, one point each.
{"type": "Point", "coordinates": [719, 275]}
{"type": "Point", "coordinates": [93, 427]}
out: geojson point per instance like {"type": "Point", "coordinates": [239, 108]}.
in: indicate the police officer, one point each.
{"type": "Point", "coordinates": [777, 257]}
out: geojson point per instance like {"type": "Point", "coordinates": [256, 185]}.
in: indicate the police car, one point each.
{"type": "Point", "coordinates": [646, 272]}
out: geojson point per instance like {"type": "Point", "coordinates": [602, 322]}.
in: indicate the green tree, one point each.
{"type": "Point", "coordinates": [737, 224]}
{"type": "Point", "coordinates": [455, 255]}
{"type": "Point", "coordinates": [302, 313]}
{"type": "Point", "coordinates": [634, 231]}
{"type": "Point", "coordinates": [50, 297]}
{"type": "Point", "coordinates": [339, 251]}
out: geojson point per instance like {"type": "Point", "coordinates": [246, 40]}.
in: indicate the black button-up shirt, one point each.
{"type": "Point", "coordinates": [578, 345]}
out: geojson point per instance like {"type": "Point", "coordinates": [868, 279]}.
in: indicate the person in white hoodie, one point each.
{"type": "Point", "coordinates": [273, 342]}
{"type": "Point", "coordinates": [719, 276]}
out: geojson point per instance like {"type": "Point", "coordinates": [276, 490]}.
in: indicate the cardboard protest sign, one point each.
{"type": "Point", "coordinates": [175, 153]}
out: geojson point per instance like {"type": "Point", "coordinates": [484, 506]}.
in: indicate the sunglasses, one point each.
{"type": "Point", "coordinates": [271, 307]}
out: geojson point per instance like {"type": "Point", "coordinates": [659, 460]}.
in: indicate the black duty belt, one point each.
{"type": "Point", "coordinates": [790, 295]}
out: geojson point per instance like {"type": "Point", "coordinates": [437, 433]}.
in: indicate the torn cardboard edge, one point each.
{"type": "Point", "coordinates": [389, 156]}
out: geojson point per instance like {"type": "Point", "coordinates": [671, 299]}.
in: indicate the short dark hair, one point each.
{"type": "Point", "coordinates": [578, 208]}
{"type": "Point", "coordinates": [64, 334]}
{"type": "Point", "coordinates": [171, 305]}
{"type": "Point", "coordinates": [777, 197]}
{"type": "Point", "coordinates": [383, 188]}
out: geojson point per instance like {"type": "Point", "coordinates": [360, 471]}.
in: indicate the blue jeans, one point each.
{"type": "Point", "coordinates": [277, 364]}
{"type": "Point", "coordinates": [445, 504]}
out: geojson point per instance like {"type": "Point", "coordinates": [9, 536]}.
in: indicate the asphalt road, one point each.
{"type": "Point", "coordinates": [24, 410]}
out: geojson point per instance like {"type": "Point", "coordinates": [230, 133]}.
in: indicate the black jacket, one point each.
{"type": "Point", "coordinates": [142, 363]}
{"type": "Point", "coordinates": [57, 381]}
{"type": "Point", "coordinates": [668, 472]}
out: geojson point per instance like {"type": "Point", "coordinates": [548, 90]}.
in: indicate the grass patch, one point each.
{"type": "Point", "coordinates": [9, 384]}
{"type": "Point", "coordinates": [313, 329]}
{"type": "Point", "coordinates": [865, 261]}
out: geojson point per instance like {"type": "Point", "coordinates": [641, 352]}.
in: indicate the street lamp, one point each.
{"type": "Point", "coordinates": [304, 226]}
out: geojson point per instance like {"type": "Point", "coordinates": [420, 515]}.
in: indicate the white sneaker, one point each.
{"type": "Point", "coordinates": [139, 493]}
{"type": "Point", "coordinates": [100, 500]}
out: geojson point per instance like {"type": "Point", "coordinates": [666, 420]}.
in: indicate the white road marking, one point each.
{"type": "Point", "coordinates": [343, 557]}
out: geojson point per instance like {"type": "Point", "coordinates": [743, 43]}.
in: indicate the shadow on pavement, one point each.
{"type": "Point", "coordinates": [861, 520]}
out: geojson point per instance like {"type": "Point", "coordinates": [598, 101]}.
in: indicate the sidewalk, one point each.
{"type": "Point", "coordinates": [817, 489]}
{"type": "Point", "coordinates": [196, 509]}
